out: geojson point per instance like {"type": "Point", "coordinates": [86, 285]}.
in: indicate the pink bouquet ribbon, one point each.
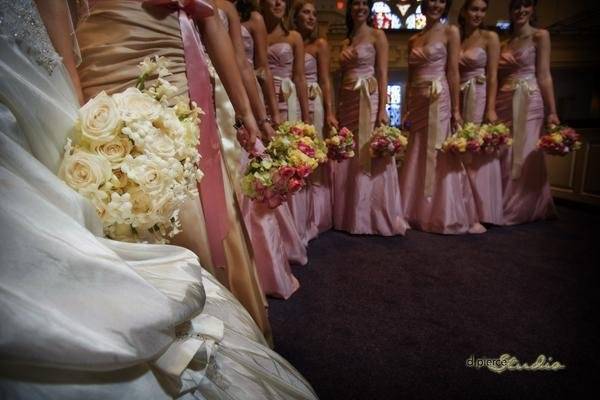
{"type": "Point", "coordinates": [212, 190]}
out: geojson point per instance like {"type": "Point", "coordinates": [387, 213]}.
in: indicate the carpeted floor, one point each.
{"type": "Point", "coordinates": [392, 318]}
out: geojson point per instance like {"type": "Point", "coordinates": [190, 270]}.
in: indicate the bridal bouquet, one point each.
{"type": "Point", "coordinates": [291, 156]}
{"type": "Point", "coordinates": [340, 144]}
{"type": "Point", "coordinates": [560, 140]}
{"type": "Point", "coordinates": [494, 137]}
{"type": "Point", "coordinates": [135, 158]}
{"type": "Point", "coordinates": [387, 141]}
{"type": "Point", "coordinates": [467, 138]}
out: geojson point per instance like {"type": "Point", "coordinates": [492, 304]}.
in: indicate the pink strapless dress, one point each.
{"type": "Point", "coordinates": [483, 170]}
{"type": "Point", "coordinates": [436, 192]}
{"type": "Point", "coordinates": [281, 62]}
{"type": "Point", "coordinates": [272, 266]}
{"type": "Point", "coordinates": [362, 203]}
{"type": "Point", "coordinates": [320, 209]}
{"type": "Point", "coordinates": [527, 194]}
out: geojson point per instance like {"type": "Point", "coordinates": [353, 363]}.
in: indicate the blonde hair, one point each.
{"type": "Point", "coordinates": [294, 11]}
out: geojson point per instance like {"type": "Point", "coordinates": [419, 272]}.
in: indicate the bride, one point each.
{"type": "Point", "coordinates": [87, 317]}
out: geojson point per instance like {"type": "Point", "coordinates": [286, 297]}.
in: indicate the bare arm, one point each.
{"type": "Point", "coordinates": [235, 32]}
{"type": "Point", "coordinates": [544, 77]}
{"type": "Point", "coordinates": [493, 55]}
{"type": "Point", "coordinates": [221, 53]}
{"type": "Point", "coordinates": [452, 72]}
{"type": "Point", "coordinates": [323, 57]}
{"type": "Point", "coordinates": [259, 34]}
{"type": "Point", "coordinates": [55, 14]}
{"type": "Point", "coordinates": [381, 73]}
{"type": "Point", "coordinates": [298, 75]}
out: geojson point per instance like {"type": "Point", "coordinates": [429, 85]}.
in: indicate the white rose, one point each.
{"type": "Point", "coordinates": [83, 171]}
{"type": "Point", "coordinates": [160, 145]}
{"type": "Point", "coordinates": [150, 172]}
{"type": "Point", "coordinates": [99, 119]}
{"type": "Point", "coordinates": [135, 105]}
{"type": "Point", "coordinates": [115, 150]}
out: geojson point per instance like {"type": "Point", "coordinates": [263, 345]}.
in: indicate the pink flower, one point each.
{"type": "Point", "coordinates": [286, 172]}
{"type": "Point", "coordinates": [294, 185]}
{"type": "Point", "coordinates": [303, 171]}
{"type": "Point", "coordinates": [297, 131]}
{"type": "Point", "coordinates": [309, 151]}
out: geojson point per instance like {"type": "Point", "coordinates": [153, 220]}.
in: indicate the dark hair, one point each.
{"type": "Point", "coordinates": [461, 19]}
{"type": "Point", "coordinates": [297, 6]}
{"type": "Point", "coordinates": [522, 3]}
{"type": "Point", "coordinates": [245, 8]}
{"type": "Point", "coordinates": [350, 22]}
{"type": "Point", "coordinates": [446, 9]}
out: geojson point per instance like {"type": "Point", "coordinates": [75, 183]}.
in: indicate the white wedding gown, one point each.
{"type": "Point", "coordinates": [83, 317]}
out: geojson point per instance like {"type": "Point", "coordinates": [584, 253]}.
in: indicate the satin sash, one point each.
{"type": "Point", "coordinates": [469, 92]}
{"type": "Point", "coordinates": [435, 137]}
{"type": "Point", "coordinates": [211, 188]}
{"type": "Point", "coordinates": [523, 88]}
{"type": "Point", "coordinates": [288, 89]}
{"type": "Point", "coordinates": [366, 86]}
{"type": "Point", "coordinates": [316, 95]}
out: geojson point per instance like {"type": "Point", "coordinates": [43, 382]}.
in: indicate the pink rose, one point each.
{"type": "Point", "coordinates": [286, 172]}
{"type": "Point", "coordinates": [294, 185]}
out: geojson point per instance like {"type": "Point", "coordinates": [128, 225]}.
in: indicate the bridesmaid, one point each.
{"type": "Point", "coordinates": [272, 265]}
{"type": "Point", "coordinates": [286, 61]}
{"type": "Point", "coordinates": [316, 64]}
{"type": "Point", "coordinates": [366, 197]}
{"type": "Point", "coordinates": [525, 79]}
{"type": "Point", "coordinates": [478, 66]}
{"type": "Point", "coordinates": [112, 46]}
{"type": "Point", "coordinates": [254, 35]}
{"type": "Point", "coordinates": [437, 194]}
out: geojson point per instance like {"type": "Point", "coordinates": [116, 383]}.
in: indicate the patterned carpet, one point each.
{"type": "Point", "coordinates": [391, 318]}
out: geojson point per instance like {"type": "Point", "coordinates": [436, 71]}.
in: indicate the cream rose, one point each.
{"type": "Point", "coordinates": [160, 145]}
{"type": "Point", "coordinates": [99, 119]}
{"type": "Point", "coordinates": [134, 105]}
{"type": "Point", "coordinates": [84, 172]}
{"type": "Point", "coordinates": [115, 150]}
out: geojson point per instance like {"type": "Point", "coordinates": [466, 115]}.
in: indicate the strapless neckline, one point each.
{"type": "Point", "coordinates": [472, 49]}
{"type": "Point", "coordinates": [278, 43]}
{"type": "Point", "coordinates": [429, 45]}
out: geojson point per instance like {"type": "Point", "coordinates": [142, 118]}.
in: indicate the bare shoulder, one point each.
{"type": "Point", "coordinates": [256, 18]}
{"type": "Point", "coordinates": [452, 31]}
{"type": "Point", "coordinates": [491, 37]}
{"type": "Point", "coordinates": [322, 44]}
{"type": "Point", "coordinates": [541, 35]}
{"type": "Point", "coordinates": [295, 37]}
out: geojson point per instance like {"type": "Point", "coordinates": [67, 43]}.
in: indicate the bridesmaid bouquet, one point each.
{"type": "Point", "coordinates": [466, 139]}
{"type": "Point", "coordinates": [270, 181]}
{"type": "Point", "coordinates": [134, 157]}
{"type": "Point", "coordinates": [292, 155]}
{"type": "Point", "coordinates": [494, 137]}
{"type": "Point", "coordinates": [387, 141]}
{"type": "Point", "coordinates": [340, 144]}
{"type": "Point", "coordinates": [560, 140]}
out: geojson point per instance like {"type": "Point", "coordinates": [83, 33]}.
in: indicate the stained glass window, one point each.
{"type": "Point", "coordinates": [394, 104]}
{"type": "Point", "coordinates": [398, 14]}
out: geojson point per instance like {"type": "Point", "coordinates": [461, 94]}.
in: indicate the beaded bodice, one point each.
{"type": "Point", "coordinates": [21, 24]}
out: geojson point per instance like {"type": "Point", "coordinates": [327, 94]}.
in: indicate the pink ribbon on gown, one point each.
{"type": "Point", "coordinates": [212, 190]}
